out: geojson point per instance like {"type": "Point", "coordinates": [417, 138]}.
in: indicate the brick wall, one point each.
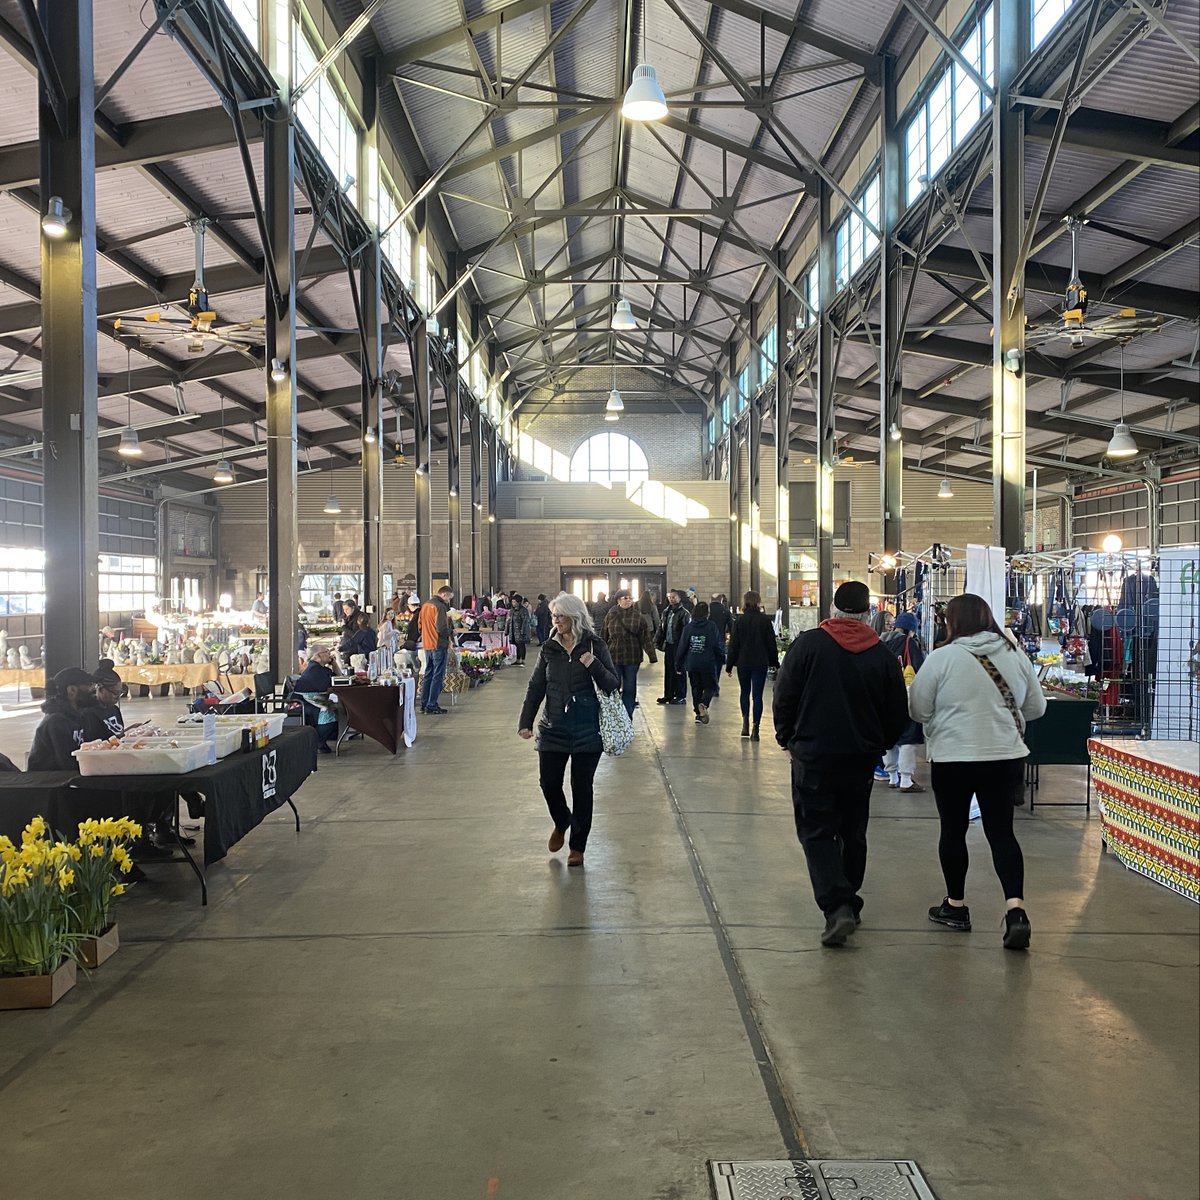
{"type": "Point", "coordinates": [671, 441]}
{"type": "Point", "coordinates": [696, 554]}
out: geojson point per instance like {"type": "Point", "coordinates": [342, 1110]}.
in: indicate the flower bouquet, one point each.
{"type": "Point", "coordinates": [37, 939]}
{"type": "Point", "coordinates": [103, 856]}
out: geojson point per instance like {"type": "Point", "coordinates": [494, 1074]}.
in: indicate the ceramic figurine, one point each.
{"type": "Point", "coordinates": [24, 659]}
{"type": "Point", "coordinates": [118, 654]}
{"type": "Point", "coordinates": [358, 663]}
{"type": "Point", "coordinates": [173, 659]}
{"type": "Point", "coordinates": [13, 659]}
{"type": "Point", "coordinates": [3, 645]}
{"type": "Point", "coordinates": [262, 663]}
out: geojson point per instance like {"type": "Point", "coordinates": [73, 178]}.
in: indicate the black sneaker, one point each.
{"type": "Point", "coordinates": [839, 925]}
{"type": "Point", "coordinates": [677, 702]}
{"type": "Point", "coordinates": [953, 916]}
{"type": "Point", "coordinates": [1016, 929]}
{"type": "Point", "coordinates": [662, 700]}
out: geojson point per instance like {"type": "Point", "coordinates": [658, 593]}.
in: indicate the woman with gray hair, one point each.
{"type": "Point", "coordinates": [572, 663]}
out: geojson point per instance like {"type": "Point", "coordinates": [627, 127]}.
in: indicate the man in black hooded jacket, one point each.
{"type": "Point", "coordinates": [68, 697]}
{"type": "Point", "coordinates": [839, 703]}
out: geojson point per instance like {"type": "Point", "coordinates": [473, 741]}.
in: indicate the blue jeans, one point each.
{"type": "Point", "coordinates": [435, 676]}
{"type": "Point", "coordinates": [753, 680]}
{"type": "Point", "coordinates": [628, 673]}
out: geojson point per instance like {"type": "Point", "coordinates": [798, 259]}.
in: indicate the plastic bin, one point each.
{"type": "Point", "coordinates": [164, 760]}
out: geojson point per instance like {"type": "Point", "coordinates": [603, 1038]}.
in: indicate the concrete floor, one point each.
{"type": "Point", "coordinates": [411, 999]}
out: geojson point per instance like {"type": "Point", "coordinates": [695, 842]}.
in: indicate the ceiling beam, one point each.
{"type": "Point", "coordinates": [758, 14]}
{"type": "Point", "coordinates": [742, 150]}
{"type": "Point", "coordinates": [157, 139]}
{"type": "Point", "coordinates": [454, 37]}
{"type": "Point", "coordinates": [1116, 135]}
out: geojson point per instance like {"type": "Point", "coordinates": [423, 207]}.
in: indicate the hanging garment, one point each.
{"type": "Point", "coordinates": [1137, 589]}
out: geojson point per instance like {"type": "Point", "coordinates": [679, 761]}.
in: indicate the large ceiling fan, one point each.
{"type": "Point", "coordinates": [1075, 325]}
{"type": "Point", "coordinates": [199, 329]}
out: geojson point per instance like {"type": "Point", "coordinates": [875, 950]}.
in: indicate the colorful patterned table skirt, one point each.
{"type": "Point", "coordinates": [1149, 794]}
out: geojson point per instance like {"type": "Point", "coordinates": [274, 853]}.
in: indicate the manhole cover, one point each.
{"type": "Point", "coordinates": [820, 1179]}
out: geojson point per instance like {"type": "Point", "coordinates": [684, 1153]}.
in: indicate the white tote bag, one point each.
{"type": "Point", "coordinates": [616, 729]}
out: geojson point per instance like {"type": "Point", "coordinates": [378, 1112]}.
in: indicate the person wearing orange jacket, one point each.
{"type": "Point", "coordinates": [435, 641]}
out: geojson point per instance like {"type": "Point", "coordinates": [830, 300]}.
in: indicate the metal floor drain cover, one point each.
{"type": "Point", "coordinates": [819, 1179]}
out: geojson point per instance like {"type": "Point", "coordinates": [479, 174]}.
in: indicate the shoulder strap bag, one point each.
{"type": "Point", "coordinates": [616, 728]}
{"type": "Point", "coordinates": [1005, 691]}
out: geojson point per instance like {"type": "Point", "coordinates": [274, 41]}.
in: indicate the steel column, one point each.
{"type": "Point", "coordinates": [825, 400]}
{"type": "Point", "coordinates": [754, 479]}
{"type": "Point", "coordinates": [476, 499]}
{"type": "Point", "coordinates": [891, 360]}
{"type": "Point", "coordinates": [493, 468]}
{"type": "Point", "coordinates": [69, 496]}
{"type": "Point", "coordinates": [1008, 314]}
{"type": "Point", "coordinates": [453, 483]}
{"type": "Point", "coordinates": [372, 427]}
{"type": "Point", "coordinates": [422, 456]}
{"type": "Point", "coordinates": [735, 507]}
{"type": "Point", "coordinates": [785, 318]}
{"type": "Point", "coordinates": [279, 190]}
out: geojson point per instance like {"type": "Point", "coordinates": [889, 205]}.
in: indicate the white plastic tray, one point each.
{"type": "Point", "coordinates": [164, 761]}
{"type": "Point", "coordinates": [274, 722]}
{"type": "Point", "coordinates": [228, 739]}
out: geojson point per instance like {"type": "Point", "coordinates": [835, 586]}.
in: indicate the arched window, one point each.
{"type": "Point", "coordinates": [609, 458]}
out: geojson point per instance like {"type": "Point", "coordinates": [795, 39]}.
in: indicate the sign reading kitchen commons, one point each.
{"type": "Point", "coordinates": [612, 560]}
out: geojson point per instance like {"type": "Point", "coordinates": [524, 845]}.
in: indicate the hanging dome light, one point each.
{"type": "Point", "coordinates": [644, 99]}
{"type": "Point", "coordinates": [612, 416]}
{"type": "Point", "coordinates": [615, 403]}
{"type": "Point", "coordinates": [222, 472]}
{"type": "Point", "coordinates": [332, 507]}
{"type": "Point", "coordinates": [623, 319]}
{"type": "Point", "coordinates": [945, 491]}
{"type": "Point", "coordinates": [129, 446]}
{"type": "Point", "coordinates": [1121, 444]}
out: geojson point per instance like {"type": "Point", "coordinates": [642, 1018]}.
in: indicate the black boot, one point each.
{"type": "Point", "coordinates": [745, 727]}
{"type": "Point", "coordinates": [754, 732]}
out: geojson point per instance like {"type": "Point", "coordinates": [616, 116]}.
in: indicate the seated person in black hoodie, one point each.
{"type": "Point", "coordinates": [104, 719]}
{"type": "Point", "coordinates": [69, 695]}
{"type": "Point", "coordinates": [313, 688]}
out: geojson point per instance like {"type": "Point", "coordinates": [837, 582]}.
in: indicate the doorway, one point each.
{"type": "Point", "coordinates": [590, 585]}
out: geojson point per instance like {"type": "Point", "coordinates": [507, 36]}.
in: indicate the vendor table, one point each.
{"type": "Point", "coordinates": [1150, 808]}
{"type": "Point", "coordinates": [190, 675]}
{"type": "Point", "coordinates": [25, 795]}
{"type": "Point", "coordinates": [1059, 737]}
{"type": "Point", "coordinates": [376, 711]}
{"type": "Point", "coordinates": [33, 677]}
{"type": "Point", "coordinates": [238, 791]}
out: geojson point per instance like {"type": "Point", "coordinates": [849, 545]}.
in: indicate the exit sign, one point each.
{"type": "Point", "coordinates": [614, 554]}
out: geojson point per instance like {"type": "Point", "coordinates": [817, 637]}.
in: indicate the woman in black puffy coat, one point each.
{"type": "Point", "coordinates": [572, 664]}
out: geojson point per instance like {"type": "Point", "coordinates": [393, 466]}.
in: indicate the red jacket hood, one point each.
{"type": "Point", "coordinates": [850, 635]}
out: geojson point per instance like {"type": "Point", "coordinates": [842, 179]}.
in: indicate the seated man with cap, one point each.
{"type": "Point", "coordinates": [104, 719]}
{"type": "Point", "coordinates": [69, 696]}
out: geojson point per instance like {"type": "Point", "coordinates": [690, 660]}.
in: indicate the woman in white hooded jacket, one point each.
{"type": "Point", "coordinates": [974, 696]}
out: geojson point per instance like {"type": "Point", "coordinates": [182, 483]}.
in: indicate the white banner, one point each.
{"type": "Point", "coordinates": [1177, 682]}
{"type": "Point", "coordinates": [985, 577]}
{"type": "Point", "coordinates": [409, 684]}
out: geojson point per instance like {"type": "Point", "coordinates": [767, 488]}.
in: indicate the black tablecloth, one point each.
{"type": "Point", "coordinates": [375, 711]}
{"type": "Point", "coordinates": [239, 791]}
{"type": "Point", "coordinates": [25, 795]}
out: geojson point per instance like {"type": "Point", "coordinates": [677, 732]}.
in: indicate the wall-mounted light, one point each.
{"type": "Point", "coordinates": [733, 516]}
{"type": "Point", "coordinates": [222, 472]}
{"type": "Point", "coordinates": [453, 490]}
{"type": "Point", "coordinates": [491, 518]}
{"type": "Point", "coordinates": [1012, 361]}
{"type": "Point", "coordinates": [57, 218]}
{"type": "Point", "coordinates": [1112, 543]}
{"type": "Point", "coordinates": [369, 435]}
{"type": "Point", "coordinates": [279, 373]}
{"type": "Point", "coordinates": [129, 446]}
{"type": "Point", "coordinates": [894, 432]}
{"type": "Point", "coordinates": [945, 491]}
{"type": "Point", "coordinates": [432, 327]}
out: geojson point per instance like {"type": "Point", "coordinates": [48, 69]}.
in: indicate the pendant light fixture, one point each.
{"type": "Point", "coordinates": [332, 507]}
{"type": "Point", "coordinates": [644, 99]}
{"type": "Point", "coordinates": [615, 405]}
{"type": "Point", "coordinates": [623, 320]}
{"type": "Point", "coordinates": [894, 432]}
{"type": "Point", "coordinates": [222, 472]}
{"type": "Point", "coordinates": [279, 373]}
{"type": "Point", "coordinates": [945, 491]}
{"type": "Point", "coordinates": [129, 446]}
{"type": "Point", "coordinates": [1121, 444]}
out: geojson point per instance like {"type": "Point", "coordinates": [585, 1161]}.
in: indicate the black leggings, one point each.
{"type": "Point", "coordinates": [520, 648]}
{"type": "Point", "coordinates": [995, 785]}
